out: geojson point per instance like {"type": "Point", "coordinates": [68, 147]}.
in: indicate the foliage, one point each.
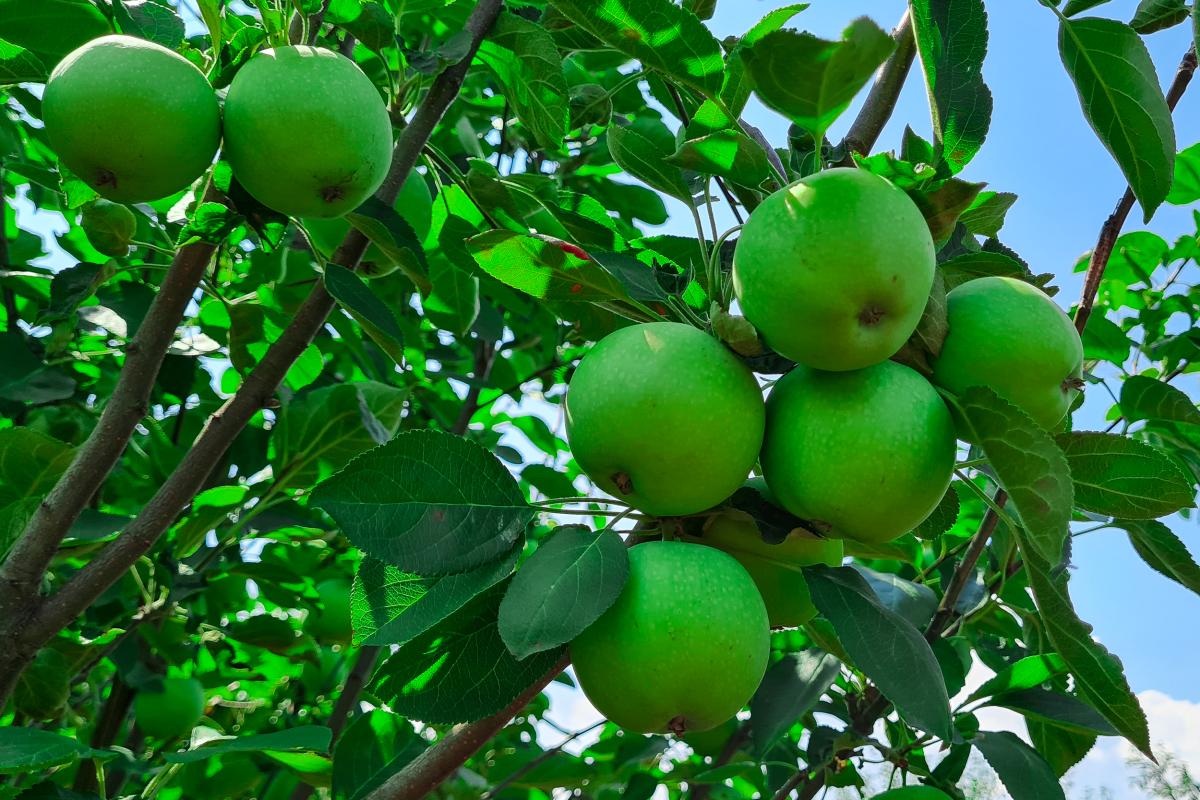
{"type": "Point", "coordinates": [410, 440]}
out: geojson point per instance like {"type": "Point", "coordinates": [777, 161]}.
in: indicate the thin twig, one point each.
{"type": "Point", "coordinates": [1111, 229]}
{"type": "Point", "coordinates": [529, 766]}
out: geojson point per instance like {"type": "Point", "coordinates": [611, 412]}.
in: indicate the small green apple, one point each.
{"type": "Point", "coordinates": [109, 226]}
{"type": "Point", "coordinates": [134, 120]}
{"type": "Point", "coordinates": [414, 205]}
{"type": "Point", "coordinates": [664, 416]}
{"type": "Point", "coordinates": [775, 568]}
{"type": "Point", "coordinates": [172, 712]}
{"type": "Point", "coordinates": [684, 646]}
{"type": "Point", "coordinates": [331, 623]}
{"type": "Point", "coordinates": [866, 454]}
{"type": "Point", "coordinates": [306, 131]}
{"type": "Point", "coordinates": [1009, 336]}
{"type": "Point", "coordinates": [835, 270]}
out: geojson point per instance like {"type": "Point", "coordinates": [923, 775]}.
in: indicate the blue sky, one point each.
{"type": "Point", "coordinates": [1041, 148]}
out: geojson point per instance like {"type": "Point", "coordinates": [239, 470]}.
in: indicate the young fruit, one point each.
{"type": "Point", "coordinates": [172, 712]}
{"type": "Point", "coordinates": [306, 131]}
{"type": "Point", "coordinates": [1009, 336]}
{"type": "Point", "coordinates": [775, 568]}
{"type": "Point", "coordinates": [134, 120]}
{"type": "Point", "coordinates": [663, 416]}
{"type": "Point", "coordinates": [913, 793]}
{"type": "Point", "coordinates": [865, 454]}
{"type": "Point", "coordinates": [413, 204]}
{"type": "Point", "coordinates": [110, 227]}
{"type": "Point", "coordinates": [835, 270]}
{"type": "Point", "coordinates": [684, 646]}
{"type": "Point", "coordinates": [331, 623]}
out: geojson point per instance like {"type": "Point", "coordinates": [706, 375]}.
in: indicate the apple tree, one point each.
{"type": "Point", "coordinates": [353, 408]}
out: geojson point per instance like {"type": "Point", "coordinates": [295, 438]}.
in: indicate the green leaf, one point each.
{"type": "Point", "coordinates": [30, 464]}
{"type": "Point", "coordinates": [952, 38]}
{"type": "Point", "coordinates": [525, 60]}
{"type": "Point", "coordinates": [1143, 397]}
{"type": "Point", "coordinates": [1024, 773]}
{"type": "Point", "coordinates": [1061, 748]}
{"type": "Point", "coordinates": [727, 154]}
{"type": "Point", "coordinates": [943, 517]}
{"type": "Point", "coordinates": [50, 28]}
{"type": "Point", "coordinates": [914, 602]}
{"type": "Point", "coordinates": [392, 234]}
{"type": "Point", "coordinates": [391, 606]}
{"type": "Point", "coordinates": [1155, 15]}
{"type": "Point", "coordinates": [789, 690]}
{"type": "Point", "coordinates": [304, 739]}
{"type": "Point", "coordinates": [1103, 339]}
{"type": "Point", "coordinates": [811, 81]}
{"type": "Point", "coordinates": [969, 266]}
{"type": "Point", "coordinates": [371, 313]}
{"type": "Point", "coordinates": [568, 582]}
{"type": "Point", "coordinates": [941, 206]}
{"type": "Point", "coordinates": [319, 431]}
{"type": "Point", "coordinates": [460, 670]}
{"type": "Point", "coordinates": [147, 19]}
{"type": "Point", "coordinates": [1122, 100]}
{"type": "Point", "coordinates": [985, 215]}
{"type": "Point", "coordinates": [31, 750]}
{"type": "Point", "coordinates": [1028, 464]}
{"type": "Point", "coordinates": [1056, 708]}
{"type": "Point", "coordinates": [658, 33]}
{"type": "Point", "coordinates": [1099, 677]}
{"type": "Point", "coordinates": [1163, 551]}
{"type": "Point", "coordinates": [1074, 7]}
{"type": "Point", "coordinates": [18, 65]}
{"type": "Point", "coordinates": [540, 266]}
{"type": "Point", "coordinates": [375, 746]}
{"type": "Point", "coordinates": [1185, 180]}
{"type": "Point", "coordinates": [884, 645]}
{"type": "Point", "coordinates": [428, 502]}
{"type": "Point", "coordinates": [737, 87]}
{"type": "Point", "coordinates": [23, 376]}
{"type": "Point", "coordinates": [1028, 673]}
{"type": "Point", "coordinates": [1123, 477]}
{"type": "Point", "coordinates": [646, 159]}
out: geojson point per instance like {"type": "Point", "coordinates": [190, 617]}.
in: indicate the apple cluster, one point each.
{"type": "Point", "coordinates": [305, 131]}
{"type": "Point", "coordinates": [835, 272]}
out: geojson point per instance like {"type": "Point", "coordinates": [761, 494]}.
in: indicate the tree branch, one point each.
{"type": "Point", "coordinates": [364, 665]}
{"type": "Point", "coordinates": [30, 556]}
{"type": "Point", "coordinates": [1111, 229]}
{"type": "Point", "coordinates": [259, 387]}
{"type": "Point", "coordinates": [881, 100]}
{"type": "Point", "coordinates": [434, 765]}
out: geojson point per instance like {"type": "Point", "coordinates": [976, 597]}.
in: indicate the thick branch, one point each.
{"type": "Point", "coordinates": [31, 555]}
{"type": "Point", "coordinates": [1112, 226]}
{"type": "Point", "coordinates": [426, 771]}
{"type": "Point", "coordinates": [260, 385]}
{"type": "Point", "coordinates": [881, 100]}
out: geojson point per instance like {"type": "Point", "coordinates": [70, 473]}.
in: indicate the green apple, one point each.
{"type": "Point", "coordinates": [865, 455]}
{"type": "Point", "coordinates": [835, 270]}
{"type": "Point", "coordinates": [172, 712]}
{"type": "Point", "coordinates": [331, 623]}
{"type": "Point", "coordinates": [1009, 336]}
{"type": "Point", "coordinates": [775, 568]}
{"type": "Point", "coordinates": [414, 205]}
{"type": "Point", "coordinates": [109, 226]}
{"type": "Point", "coordinates": [684, 646]}
{"type": "Point", "coordinates": [306, 132]}
{"type": "Point", "coordinates": [134, 120]}
{"type": "Point", "coordinates": [664, 416]}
